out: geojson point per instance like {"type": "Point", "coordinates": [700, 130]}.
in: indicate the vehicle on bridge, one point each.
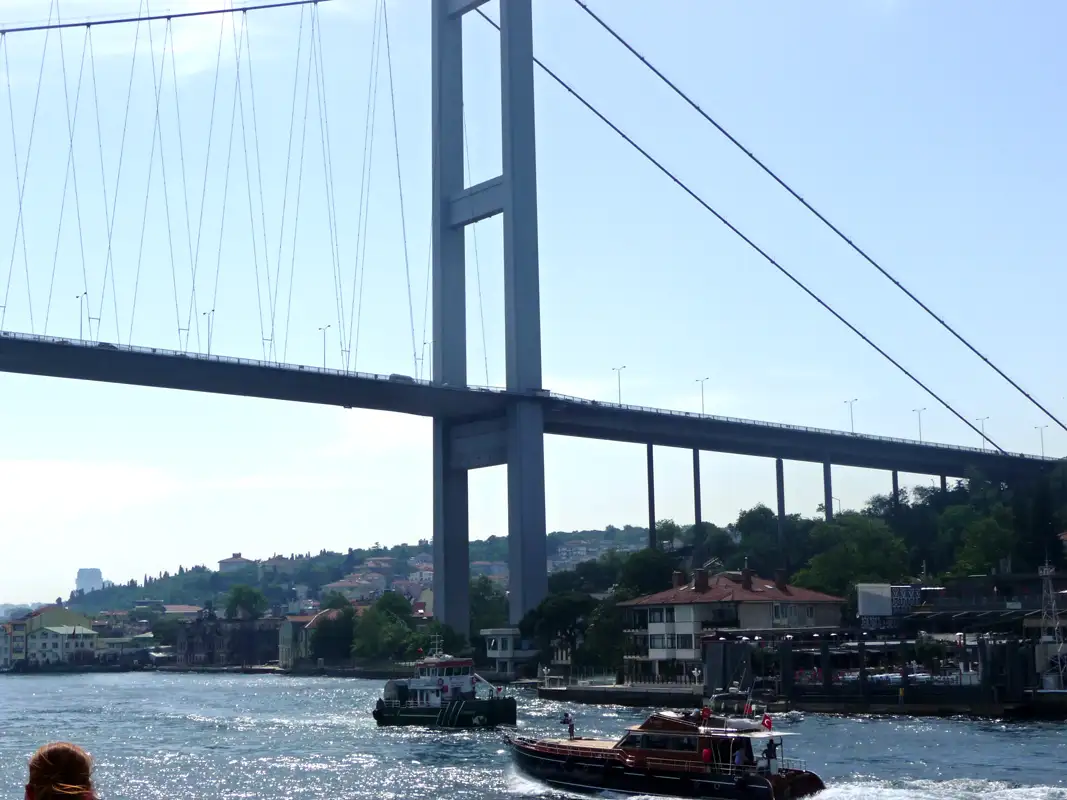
{"type": "Point", "coordinates": [443, 693]}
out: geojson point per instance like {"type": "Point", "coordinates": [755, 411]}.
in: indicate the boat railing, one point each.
{"type": "Point", "coordinates": [408, 704]}
{"type": "Point", "coordinates": [792, 764]}
{"type": "Point", "coordinates": [566, 750]}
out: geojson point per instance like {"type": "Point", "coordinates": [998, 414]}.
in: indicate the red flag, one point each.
{"type": "Point", "coordinates": [766, 722]}
{"type": "Point", "coordinates": [748, 709]}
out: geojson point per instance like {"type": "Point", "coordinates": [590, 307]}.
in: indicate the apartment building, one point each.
{"type": "Point", "coordinates": [664, 630]}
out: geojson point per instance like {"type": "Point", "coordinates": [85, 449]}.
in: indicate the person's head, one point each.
{"type": "Point", "coordinates": [60, 771]}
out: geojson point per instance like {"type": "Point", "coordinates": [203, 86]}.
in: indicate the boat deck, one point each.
{"type": "Point", "coordinates": [596, 744]}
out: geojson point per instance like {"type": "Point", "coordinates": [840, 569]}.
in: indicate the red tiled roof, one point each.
{"type": "Point", "coordinates": [726, 588]}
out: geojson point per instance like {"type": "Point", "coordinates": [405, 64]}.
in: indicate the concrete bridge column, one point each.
{"type": "Point", "coordinates": [779, 474]}
{"type": "Point", "coordinates": [896, 489]}
{"type": "Point", "coordinates": [944, 483]}
{"type": "Point", "coordinates": [696, 487]}
{"type": "Point", "coordinates": [651, 497]}
{"type": "Point", "coordinates": [517, 439]}
{"type": "Point", "coordinates": [828, 492]}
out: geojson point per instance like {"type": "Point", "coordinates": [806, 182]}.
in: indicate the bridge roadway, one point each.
{"type": "Point", "coordinates": [568, 416]}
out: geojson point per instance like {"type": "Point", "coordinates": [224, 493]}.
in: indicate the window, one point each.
{"type": "Point", "coordinates": [687, 744]}
{"type": "Point", "coordinates": [685, 641]}
{"type": "Point", "coordinates": [504, 643]}
{"type": "Point", "coordinates": [633, 740]}
{"type": "Point", "coordinates": [655, 641]}
{"type": "Point", "coordinates": [777, 611]}
{"type": "Point", "coordinates": [811, 612]}
{"type": "Point", "coordinates": [655, 741]}
{"type": "Point", "coordinates": [448, 672]}
{"type": "Point", "coordinates": [670, 641]}
{"type": "Point", "coordinates": [669, 614]}
{"type": "Point", "coordinates": [655, 615]}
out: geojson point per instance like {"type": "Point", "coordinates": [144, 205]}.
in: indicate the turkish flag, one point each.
{"type": "Point", "coordinates": [766, 722]}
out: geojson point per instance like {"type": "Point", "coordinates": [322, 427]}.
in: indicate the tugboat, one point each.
{"type": "Point", "coordinates": [443, 694]}
{"type": "Point", "coordinates": [680, 755]}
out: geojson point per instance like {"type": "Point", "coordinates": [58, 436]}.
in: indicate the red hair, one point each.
{"type": "Point", "coordinates": [60, 770]}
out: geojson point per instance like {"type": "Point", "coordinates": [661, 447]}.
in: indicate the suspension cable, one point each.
{"type": "Point", "coordinates": [259, 180]}
{"type": "Point", "coordinates": [360, 275]}
{"type": "Point", "coordinates": [71, 125]}
{"type": "Point", "coordinates": [225, 191]}
{"type": "Point", "coordinates": [167, 39]}
{"type": "Point", "coordinates": [185, 201]}
{"type": "Point", "coordinates": [327, 162]}
{"type": "Point", "coordinates": [477, 264]}
{"type": "Point", "coordinates": [148, 183]}
{"type": "Point", "coordinates": [285, 184]}
{"type": "Point", "coordinates": [239, 48]}
{"type": "Point", "coordinates": [821, 217]}
{"type": "Point", "coordinates": [203, 190]}
{"type": "Point", "coordinates": [767, 256]}
{"type": "Point", "coordinates": [299, 192]}
{"type": "Point", "coordinates": [103, 186]}
{"type": "Point", "coordinates": [400, 183]}
{"type": "Point", "coordinates": [20, 226]}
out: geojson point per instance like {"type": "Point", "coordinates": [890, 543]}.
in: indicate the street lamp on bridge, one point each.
{"type": "Point", "coordinates": [981, 421]}
{"type": "Point", "coordinates": [838, 501]}
{"type": "Point", "coordinates": [82, 304]}
{"type": "Point", "coordinates": [919, 414]}
{"type": "Point", "coordinates": [618, 376]}
{"type": "Point", "coordinates": [701, 381]}
{"type": "Point", "coordinates": [1041, 432]}
{"type": "Point", "coordinates": [323, 330]}
{"type": "Point", "coordinates": [851, 418]}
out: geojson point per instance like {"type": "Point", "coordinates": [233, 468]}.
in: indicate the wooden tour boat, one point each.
{"type": "Point", "coordinates": [677, 755]}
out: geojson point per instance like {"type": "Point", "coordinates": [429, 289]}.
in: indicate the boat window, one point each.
{"type": "Point", "coordinates": [686, 744]}
{"type": "Point", "coordinates": [448, 672]}
{"type": "Point", "coordinates": [632, 740]}
{"type": "Point", "coordinates": [657, 742]}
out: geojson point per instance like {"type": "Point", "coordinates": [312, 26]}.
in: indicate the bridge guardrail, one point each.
{"type": "Point", "coordinates": [502, 390]}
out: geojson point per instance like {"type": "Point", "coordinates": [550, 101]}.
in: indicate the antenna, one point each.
{"type": "Point", "coordinates": [436, 644]}
{"type": "Point", "coordinates": [1051, 629]}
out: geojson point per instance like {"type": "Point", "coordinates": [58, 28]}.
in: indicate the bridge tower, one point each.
{"type": "Point", "coordinates": [516, 438]}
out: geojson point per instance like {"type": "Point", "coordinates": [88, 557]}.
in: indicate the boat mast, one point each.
{"type": "Point", "coordinates": [436, 645]}
{"type": "Point", "coordinates": [1051, 629]}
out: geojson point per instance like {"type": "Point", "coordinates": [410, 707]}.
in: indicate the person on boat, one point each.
{"type": "Point", "coordinates": [568, 720]}
{"type": "Point", "coordinates": [770, 752]}
{"type": "Point", "coordinates": [60, 771]}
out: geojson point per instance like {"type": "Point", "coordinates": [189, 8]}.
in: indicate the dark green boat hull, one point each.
{"type": "Point", "coordinates": [456, 714]}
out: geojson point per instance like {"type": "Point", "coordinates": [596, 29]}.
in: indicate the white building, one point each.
{"type": "Point", "coordinates": [61, 644]}
{"type": "Point", "coordinates": [664, 630]}
{"type": "Point", "coordinates": [423, 575]}
{"type": "Point", "coordinates": [507, 649]}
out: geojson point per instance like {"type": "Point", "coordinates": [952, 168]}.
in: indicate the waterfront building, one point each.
{"type": "Point", "coordinates": [507, 650]}
{"type": "Point", "coordinates": [664, 629]}
{"type": "Point", "coordinates": [209, 641]}
{"type": "Point", "coordinates": [294, 640]}
{"type": "Point", "coordinates": [5, 646]}
{"type": "Point", "coordinates": [61, 644]}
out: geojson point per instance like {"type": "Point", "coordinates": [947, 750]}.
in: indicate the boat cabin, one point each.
{"type": "Point", "coordinates": [730, 745]}
{"type": "Point", "coordinates": [438, 680]}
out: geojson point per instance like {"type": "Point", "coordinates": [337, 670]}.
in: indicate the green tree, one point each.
{"type": "Point", "coordinates": [488, 606]}
{"type": "Point", "coordinates": [647, 571]}
{"type": "Point", "coordinates": [853, 549]}
{"type": "Point", "coordinates": [986, 542]}
{"type": "Point", "coordinates": [333, 635]}
{"type": "Point", "coordinates": [245, 602]}
{"type": "Point", "coordinates": [604, 640]}
{"type": "Point", "coordinates": [335, 600]}
{"type": "Point", "coordinates": [559, 617]}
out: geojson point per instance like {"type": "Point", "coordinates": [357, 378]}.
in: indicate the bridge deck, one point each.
{"type": "Point", "coordinates": [567, 416]}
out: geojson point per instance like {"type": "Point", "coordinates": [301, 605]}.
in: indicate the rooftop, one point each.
{"type": "Point", "coordinates": [732, 587]}
{"type": "Point", "coordinates": [71, 630]}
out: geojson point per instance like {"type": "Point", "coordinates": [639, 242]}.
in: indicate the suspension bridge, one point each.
{"type": "Point", "coordinates": [163, 169]}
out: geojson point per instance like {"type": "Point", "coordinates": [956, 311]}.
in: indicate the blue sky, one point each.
{"type": "Point", "coordinates": [931, 133]}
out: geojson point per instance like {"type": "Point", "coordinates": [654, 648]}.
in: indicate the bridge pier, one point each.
{"type": "Point", "coordinates": [944, 483]}
{"type": "Point", "coordinates": [828, 491]}
{"type": "Point", "coordinates": [896, 489]}
{"type": "Point", "coordinates": [779, 475]}
{"type": "Point", "coordinates": [696, 487]}
{"type": "Point", "coordinates": [516, 439]}
{"type": "Point", "coordinates": [651, 469]}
